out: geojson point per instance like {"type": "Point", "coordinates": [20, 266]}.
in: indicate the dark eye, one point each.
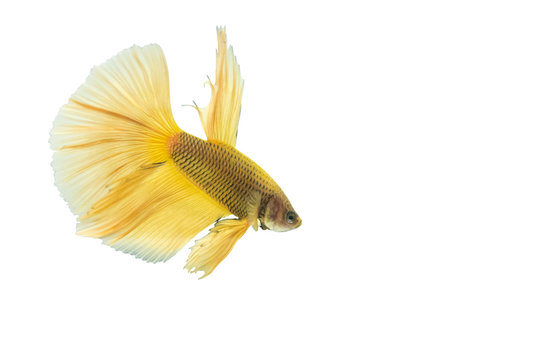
{"type": "Point", "coordinates": [291, 217]}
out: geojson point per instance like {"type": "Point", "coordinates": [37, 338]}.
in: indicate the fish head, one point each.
{"type": "Point", "coordinates": [279, 215]}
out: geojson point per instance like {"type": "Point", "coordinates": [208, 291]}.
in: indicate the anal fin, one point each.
{"type": "Point", "coordinates": [209, 251]}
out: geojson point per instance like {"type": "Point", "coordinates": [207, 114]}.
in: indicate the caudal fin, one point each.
{"type": "Point", "coordinates": [112, 163]}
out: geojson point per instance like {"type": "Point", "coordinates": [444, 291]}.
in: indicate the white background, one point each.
{"type": "Point", "coordinates": [406, 135]}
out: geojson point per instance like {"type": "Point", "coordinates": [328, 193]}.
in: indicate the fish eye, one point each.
{"type": "Point", "coordinates": [291, 217]}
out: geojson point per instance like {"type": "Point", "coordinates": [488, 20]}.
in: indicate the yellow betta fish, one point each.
{"type": "Point", "coordinates": [144, 186]}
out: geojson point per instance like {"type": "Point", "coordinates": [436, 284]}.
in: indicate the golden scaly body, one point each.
{"type": "Point", "coordinates": [223, 172]}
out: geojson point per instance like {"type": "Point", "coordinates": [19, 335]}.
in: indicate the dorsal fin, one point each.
{"type": "Point", "coordinates": [220, 117]}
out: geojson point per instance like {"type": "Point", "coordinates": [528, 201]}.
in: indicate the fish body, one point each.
{"type": "Point", "coordinates": [146, 187]}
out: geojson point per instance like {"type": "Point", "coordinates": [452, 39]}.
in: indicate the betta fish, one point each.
{"type": "Point", "coordinates": [142, 185]}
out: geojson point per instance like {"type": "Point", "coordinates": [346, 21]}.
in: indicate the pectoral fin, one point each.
{"type": "Point", "coordinates": [209, 251]}
{"type": "Point", "coordinates": [254, 202]}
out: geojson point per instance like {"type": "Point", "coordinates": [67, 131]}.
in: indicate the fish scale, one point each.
{"type": "Point", "coordinates": [224, 173]}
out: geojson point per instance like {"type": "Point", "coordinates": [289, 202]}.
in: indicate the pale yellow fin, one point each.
{"type": "Point", "coordinates": [220, 117]}
{"type": "Point", "coordinates": [209, 251]}
{"type": "Point", "coordinates": [253, 204]}
{"type": "Point", "coordinates": [119, 120]}
{"type": "Point", "coordinates": [112, 163]}
{"type": "Point", "coordinates": [151, 214]}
